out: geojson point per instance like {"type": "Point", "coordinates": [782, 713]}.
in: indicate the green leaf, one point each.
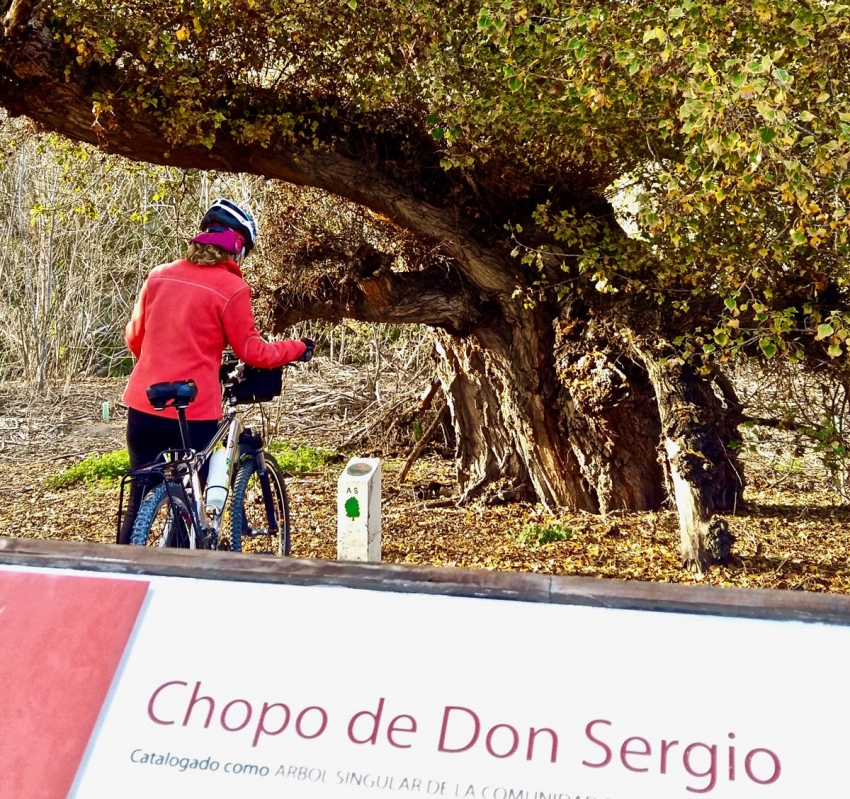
{"type": "Point", "coordinates": [767, 347]}
{"type": "Point", "coordinates": [730, 303]}
{"type": "Point", "coordinates": [781, 76]}
{"type": "Point", "coordinates": [767, 135]}
{"type": "Point", "coordinates": [514, 83]}
{"type": "Point", "coordinates": [834, 351]}
{"type": "Point", "coordinates": [824, 330]}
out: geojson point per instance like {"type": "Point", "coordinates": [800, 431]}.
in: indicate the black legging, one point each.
{"type": "Point", "coordinates": [147, 436]}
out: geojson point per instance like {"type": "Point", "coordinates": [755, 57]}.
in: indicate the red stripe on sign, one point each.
{"type": "Point", "coordinates": [61, 640]}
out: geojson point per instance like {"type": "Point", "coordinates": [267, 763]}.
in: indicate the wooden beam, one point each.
{"type": "Point", "coordinates": [621, 594]}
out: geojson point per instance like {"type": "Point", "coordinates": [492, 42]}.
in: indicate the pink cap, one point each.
{"type": "Point", "coordinates": [228, 240]}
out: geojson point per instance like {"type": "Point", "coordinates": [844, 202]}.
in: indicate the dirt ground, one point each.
{"type": "Point", "coordinates": [792, 534]}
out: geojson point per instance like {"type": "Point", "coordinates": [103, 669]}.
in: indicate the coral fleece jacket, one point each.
{"type": "Point", "coordinates": [183, 319]}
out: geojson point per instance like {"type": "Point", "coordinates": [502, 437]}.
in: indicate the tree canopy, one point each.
{"type": "Point", "coordinates": [727, 125]}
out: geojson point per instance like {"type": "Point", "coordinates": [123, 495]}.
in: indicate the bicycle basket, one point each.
{"type": "Point", "coordinates": [258, 385]}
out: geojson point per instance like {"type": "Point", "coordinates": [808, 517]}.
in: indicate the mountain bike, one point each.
{"type": "Point", "coordinates": [178, 511]}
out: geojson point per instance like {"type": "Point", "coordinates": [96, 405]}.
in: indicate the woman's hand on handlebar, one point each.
{"type": "Point", "coordinates": [308, 353]}
{"type": "Point", "coordinates": [231, 369]}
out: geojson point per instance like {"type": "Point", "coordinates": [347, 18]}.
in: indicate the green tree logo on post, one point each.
{"type": "Point", "coordinates": [352, 508]}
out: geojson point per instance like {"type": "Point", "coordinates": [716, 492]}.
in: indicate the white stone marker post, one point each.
{"type": "Point", "coordinates": [358, 506]}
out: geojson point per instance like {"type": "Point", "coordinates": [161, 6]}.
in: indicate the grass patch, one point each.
{"type": "Point", "coordinates": [109, 467]}
{"type": "Point", "coordinates": [301, 458]}
{"type": "Point", "coordinates": [536, 535]}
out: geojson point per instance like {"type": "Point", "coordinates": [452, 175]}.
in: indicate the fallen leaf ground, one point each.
{"type": "Point", "coordinates": [793, 534]}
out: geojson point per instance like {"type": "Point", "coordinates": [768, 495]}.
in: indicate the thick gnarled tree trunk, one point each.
{"type": "Point", "coordinates": [570, 424]}
{"type": "Point", "coordinates": [609, 407]}
{"type": "Point", "coordinates": [511, 443]}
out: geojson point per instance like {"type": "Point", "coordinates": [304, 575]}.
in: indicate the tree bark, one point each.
{"type": "Point", "coordinates": [542, 406]}
{"type": "Point", "coordinates": [610, 408]}
{"type": "Point", "coordinates": [367, 290]}
{"type": "Point", "coordinates": [511, 443]}
{"type": "Point", "coordinates": [705, 477]}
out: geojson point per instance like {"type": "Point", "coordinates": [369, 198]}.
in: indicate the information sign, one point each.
{"type": "Point", "coordinates": [311, 688]}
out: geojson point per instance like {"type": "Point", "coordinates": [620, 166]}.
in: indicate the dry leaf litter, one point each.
{"type": "Point", "coordinates": [793, 533]}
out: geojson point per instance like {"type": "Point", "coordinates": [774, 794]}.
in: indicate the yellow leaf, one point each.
{"type": "Point", "coordinates": [182, 33]}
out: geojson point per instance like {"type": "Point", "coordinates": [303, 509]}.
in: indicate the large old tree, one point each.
{"type": "Point", "coordinates": [515, 141]}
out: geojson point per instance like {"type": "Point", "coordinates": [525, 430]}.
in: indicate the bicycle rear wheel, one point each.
{"type": "Point", "coordinates": [249, 521]}
{"type": "Point", "coordinates": [165, 521]}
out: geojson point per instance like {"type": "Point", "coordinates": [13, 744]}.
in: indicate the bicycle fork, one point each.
{"type": "Point", "coordinates": [268, 500]}
{"type": "Point", "coordinates": [251, 444]}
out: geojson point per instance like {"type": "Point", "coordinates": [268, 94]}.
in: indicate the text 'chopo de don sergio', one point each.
{"type": "Point", "coordinates": [699, 765]}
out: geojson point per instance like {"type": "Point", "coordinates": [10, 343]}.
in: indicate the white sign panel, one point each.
{"type": "Point", "coordinates": [256, 690]}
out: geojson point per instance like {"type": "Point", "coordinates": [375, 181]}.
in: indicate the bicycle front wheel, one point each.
{"type": "Point", "coordinates": [165, 521]}
{"type": "Point", "coordinates": [249, 520]}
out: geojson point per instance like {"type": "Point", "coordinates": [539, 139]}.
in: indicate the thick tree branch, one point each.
{"type": "Point", "coordinates": [18, 14]}
{"type": "Point", "coordinates": [42, 81]}
{"type": "Point", "coordinates": [434, 296]}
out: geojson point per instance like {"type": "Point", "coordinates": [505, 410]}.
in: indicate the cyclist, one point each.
{"type": "Point", "coordinates": [186, 314]}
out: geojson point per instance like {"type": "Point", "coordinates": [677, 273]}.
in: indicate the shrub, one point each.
{"type": "Point", "coordinates": [538, 534]}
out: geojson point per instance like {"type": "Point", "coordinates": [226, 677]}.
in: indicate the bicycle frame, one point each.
{"type": "Point", "coordinates": [180, 469]}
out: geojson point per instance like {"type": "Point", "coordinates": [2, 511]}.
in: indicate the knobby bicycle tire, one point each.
{"type": "Point", "coordinates": [156, 524]}
{"type": "Point", "coordinates": [248, 519]}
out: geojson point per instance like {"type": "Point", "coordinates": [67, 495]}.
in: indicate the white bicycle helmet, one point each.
{"type": "Point", "coordinates": [225, 213]}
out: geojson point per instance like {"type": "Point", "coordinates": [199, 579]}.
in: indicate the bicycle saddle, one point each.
{"type": "Point", "coordinates": [178, 393]}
